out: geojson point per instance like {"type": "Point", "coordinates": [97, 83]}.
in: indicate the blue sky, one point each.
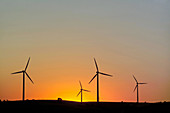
{"type": "Point", "coordinates": [127, 37]}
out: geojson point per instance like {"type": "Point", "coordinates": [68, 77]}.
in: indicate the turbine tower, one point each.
{"type": "Point", "coordinates": [24, 72]}
{"type": "Point", "coordinates": [81, 91]}
{"type": "Point", "coordinates": [97, 75]}
{"type": "Point", "coordinates": [137, 87]}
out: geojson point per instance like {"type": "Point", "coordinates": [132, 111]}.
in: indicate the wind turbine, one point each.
{"type": "Point", "coordinates": [137, 87]}
{"type": "Point", "coordinates": [97, 75]}
{"type": "Point", "coordinates": [81, 91]}
{"type": "Point", "coordinates": [24, 72]}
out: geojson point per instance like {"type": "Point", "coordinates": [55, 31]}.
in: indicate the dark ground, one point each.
{"type": "Point", "coordinates": [51, 106]}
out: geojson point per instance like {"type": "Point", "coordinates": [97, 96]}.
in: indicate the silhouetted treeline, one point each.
{"type": "Point", "coordinates": [50, 106]}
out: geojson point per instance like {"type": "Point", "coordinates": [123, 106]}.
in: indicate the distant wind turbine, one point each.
{"type": "Point", "coordinates": [97, 75]}
{"type": "Point", "coordinates": [81, 91]}
{"type": "Point", "coordinates": [137, 87]}
{"type": "Point", "coordinates": [24, 72]}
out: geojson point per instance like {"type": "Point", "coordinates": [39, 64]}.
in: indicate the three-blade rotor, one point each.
{"type": "Point", "coordinates": [81, 89]}
{"type": "Point", "coordinates": [137, 83]}
{"type": "Point", "coordinates": [97, 72]}
{"type": "Point", "coordinates": [24, 71]}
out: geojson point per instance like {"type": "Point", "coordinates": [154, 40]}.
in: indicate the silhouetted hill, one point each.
{"type": "Point", "coordinates": [51, 106]}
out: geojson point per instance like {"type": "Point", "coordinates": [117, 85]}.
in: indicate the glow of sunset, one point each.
{"type": "Point", "coordinates": [62, 37]}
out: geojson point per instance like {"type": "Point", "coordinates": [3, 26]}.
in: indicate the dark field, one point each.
{"type": "Point", "coordinates": [51, 106]}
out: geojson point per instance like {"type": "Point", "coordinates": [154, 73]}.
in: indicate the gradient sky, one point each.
{"type": "Point", "coordinates": [126, 37]}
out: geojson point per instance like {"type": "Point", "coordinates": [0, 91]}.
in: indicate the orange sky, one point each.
{"type": "Point", "coordinates": [62, 38]}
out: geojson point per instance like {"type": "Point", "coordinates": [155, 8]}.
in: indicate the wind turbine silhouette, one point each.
{"type": "Point", "coordinates": [97, 75]}
{"type": "Point", "coordinates": [137, 87]}
{"type": "Point", "coordinates": [24, 72]}
{"type": "Point", "coordinates": [81, 91]}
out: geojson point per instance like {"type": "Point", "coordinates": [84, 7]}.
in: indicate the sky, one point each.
{"type": "Point", "coordinates": [62, 37]}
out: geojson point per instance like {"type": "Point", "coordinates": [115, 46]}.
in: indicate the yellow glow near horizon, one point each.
{"type": "Point", "coordinates": [62, 38]}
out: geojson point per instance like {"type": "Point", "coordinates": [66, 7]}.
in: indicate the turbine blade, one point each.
{"type": "Point", "coordinates": [86, 90]}
{"type": "Point", "coordinates": [142, 83]}
{"type": "Point", "coordinates": [29, 77]}
{"type": "Point", "coordinates": [96, 64]}
{"type": "Point", "coordinates": [135, 79]}
{"type": "Point", "coordinates": [92, 78]}
{"type": "Point", "coordinates": [105, 74]}
{"type": "Point", "coordinates": [80, 84]}
{"type": "Point", "coordinates": [17, 72]}
{"type": "Point", "coordinates": [27, 64]}
{"type": "Point", "coordinates": [78, 93]}
{"type": "Point", "coordinates": [135, 88]}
